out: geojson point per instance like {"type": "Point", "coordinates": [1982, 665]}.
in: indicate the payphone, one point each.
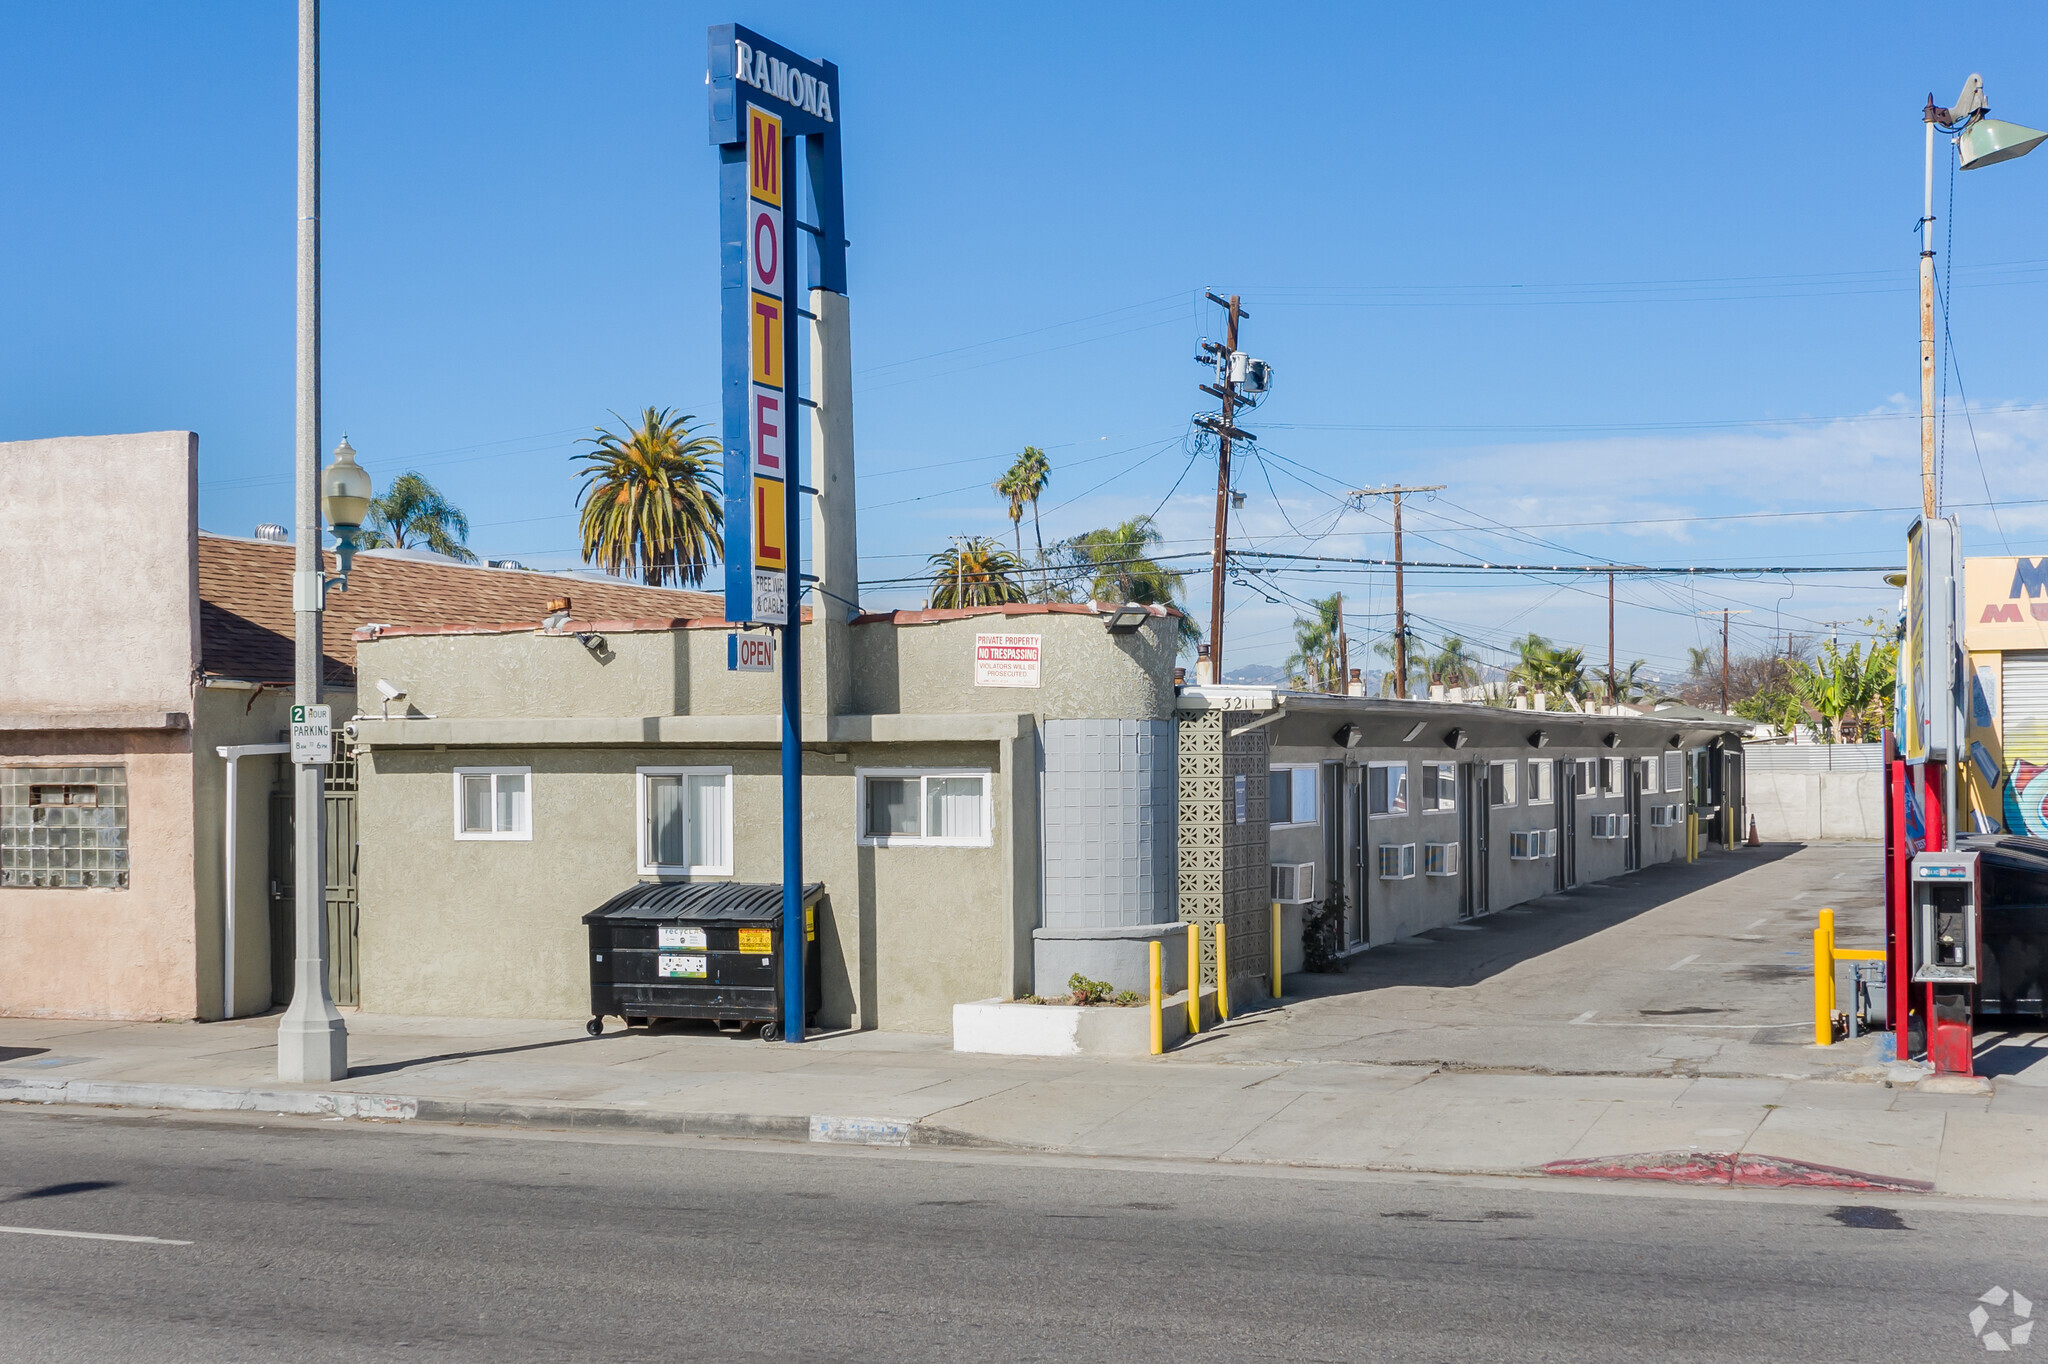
{"type": "Point", "coordinates": [1947, 940]}
{"type": "Point", "coordinates": [1945, 921]}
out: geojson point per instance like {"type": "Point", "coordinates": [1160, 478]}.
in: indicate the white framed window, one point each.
{"type": "Point", "coordinates": [1586, 776]}
{"type": "Point", "coordinates": [1649, 769]}
{"type": "Point", "coordinates": [1291, 795]}
{"type": "Point", "coordinates": [1294, 883]}
{"type": "Point", "coordinates": [1500, 783]}
{"type": "Point", "coordinates": [685, 820]}
{"type": "Point", "coordinates": [1439, 786]}
{"type": "Point", "coordinates": [1542, 771]}
{"type": "Point", "coordinates": [937, 807]}
{"type": "Point", "coordinates": [1439, 859]}
{"type": "Point", "coordinates": [1397, 861]}
{"type": "Point", "coordinates": [494, 803]}
{"type": "Point", "coordinates": [1616, 782]}
{"type": "Point", "coordinates": [1674, 771]}
{"type": "Point", "coordinates": [1386, 789]}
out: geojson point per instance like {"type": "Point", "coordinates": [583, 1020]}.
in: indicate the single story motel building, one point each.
{"type": "Point", "coordinates": [978, 837]}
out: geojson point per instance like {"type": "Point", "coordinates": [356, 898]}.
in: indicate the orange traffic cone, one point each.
{"type": "Point", "coordinates": [1754, 841]}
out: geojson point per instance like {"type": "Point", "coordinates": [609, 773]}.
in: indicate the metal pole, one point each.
{"type": "Point", "coordinates": [312, 1041]}
{"type": "Point", "coordinates": [794, 946]}
{"type": "Point", "coordinates": [1927, 507]}
{"type": "Point", "coordinates": [1229, 388]}
{"type": "Point", "coordinates": [1724, 662]}
{"type": "Point", "coordinates": [1343, 652]}
{"type": "Point", "coordinates": [1612, 694]}
{"type": "Point", "coordinates": [1400, 611]}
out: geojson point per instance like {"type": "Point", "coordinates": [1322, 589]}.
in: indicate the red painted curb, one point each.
{"type": "Point", "coordinates": [1716, 1167]}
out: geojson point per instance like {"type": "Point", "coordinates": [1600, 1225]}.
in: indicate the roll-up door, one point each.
{"type": "Point", "coordinates": [2023, 721]}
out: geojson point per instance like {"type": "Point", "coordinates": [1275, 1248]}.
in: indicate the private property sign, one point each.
{"type": "Point", "coordinates": [1006, 660]}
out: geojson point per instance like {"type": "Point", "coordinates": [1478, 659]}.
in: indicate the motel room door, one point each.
{"type": "Point", "coordinates": [1475, 814]}
{"type": "Point", "coordinates": [1566, 786]}
{"type": "Point", "coordinates": [1357, 919]}
{"type": "Point", "coordinates": [1633, 844]}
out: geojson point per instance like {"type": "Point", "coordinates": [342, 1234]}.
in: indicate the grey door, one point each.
{"type": "Point", "coordinates": [1475, 812]}
{"type": "Point", "coordinates": [1358, 921]}
{"type": "Point", "coordinates": [1634, 843]}
{"type": "Point", "coordinates": [1567, 824]}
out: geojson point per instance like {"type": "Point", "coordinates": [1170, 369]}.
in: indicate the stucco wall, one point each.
{"type": "Point", "coordinates": [928, 669]}
{"type": "Point", "coordinates": [110, 953]}
{"type": "Point", "coordinates": [99, 601]}
{"type": "Point", "coordinates": [1807, 807]}
{"type": "Point", "coordinates": [494, 928]}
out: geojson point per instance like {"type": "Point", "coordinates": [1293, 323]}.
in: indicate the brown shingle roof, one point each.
{"type": "Point", "coordinates": [245, 604]}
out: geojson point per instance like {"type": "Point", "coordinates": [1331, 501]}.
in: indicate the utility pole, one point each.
{"type": "Point", "coordinates": [312, 1040]}
{"type": "Point", "coordinates": [1225, 388]}
{"type": "Point", "coordinates": [1931, 116]}
{"type": "Point", "coordinates": [1724, 613]}
{"type": "Point", "coordinates": [1358, 496]}
{"type": "Point", "coordinates": [1613, 692]}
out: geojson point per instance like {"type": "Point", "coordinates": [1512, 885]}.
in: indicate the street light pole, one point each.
{"type": "Point", "coordinates": [312, 1040]}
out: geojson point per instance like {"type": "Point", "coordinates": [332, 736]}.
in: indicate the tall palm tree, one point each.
{"type": "Point", "coordinates": [1029, 475]}
{"type": "Point", "coordinates": [650, 501]}
{"type": "Point", "coordinates": [1315, 645]}
{"type": "Point", "coordinates": [412, 514]}
{"type": "Point", "coordinates": [975, 572]}
{"type": "Point", "coordinates": [1118, 565]}
{"type": "Point", "coordinates": [1549, 668]}
{"type": "Point", "coordinates": [1011, 491]}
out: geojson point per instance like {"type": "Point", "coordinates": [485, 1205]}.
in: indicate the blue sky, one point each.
{"type": "Point", "coordinates": [1610, 272]}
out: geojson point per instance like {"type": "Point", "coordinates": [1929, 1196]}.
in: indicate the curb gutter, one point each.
{"type": "Point", "coordinates": [816, 1127]}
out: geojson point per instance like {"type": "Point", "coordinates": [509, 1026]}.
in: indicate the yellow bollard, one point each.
{"type": "Point", "coordinates": [1824, 980]}
{"type": "Point", "coordinates": [1222, 972]}
{"type": "Point", "coordinates": [1194, 978]}
{"type": "Point", "coordinates": [1158, 993]}
{"type": "Point", "coordinates": [1276, 949]}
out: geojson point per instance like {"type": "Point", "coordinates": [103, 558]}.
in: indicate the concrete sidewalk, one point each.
{"type": "Point", "coordinates": [896, 1089]}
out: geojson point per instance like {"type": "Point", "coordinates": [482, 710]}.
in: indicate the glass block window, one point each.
{"type": "Point", "coordinates": [64, 827]}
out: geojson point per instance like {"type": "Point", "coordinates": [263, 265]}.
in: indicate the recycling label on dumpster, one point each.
{"type": "Point", "coordinates": [667, 936]}
{"type": "Point", "coordinates": [755, 940]}
{"type": "Point", "coordinates": [682, 966]}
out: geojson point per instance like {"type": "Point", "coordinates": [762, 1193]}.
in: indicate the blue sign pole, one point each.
{"type": "Point", "coordinates": [794, 946]}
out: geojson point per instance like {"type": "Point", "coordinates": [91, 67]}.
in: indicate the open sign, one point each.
{"type": "Point", "coordinates": [750, 653]}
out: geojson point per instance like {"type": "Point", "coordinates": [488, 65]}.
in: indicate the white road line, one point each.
{"type": "Point", "coordinates": [1683, 961]}
{"type": "Point", "coordinates": [1766, 919]}
{"type": "Point", "coordinates": [1586, 1015]}
{"type": "Point", "coordinates": [93, 1236]}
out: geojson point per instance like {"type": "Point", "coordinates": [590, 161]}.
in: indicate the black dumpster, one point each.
{"type": "Point", "coordinates": [696, 950]}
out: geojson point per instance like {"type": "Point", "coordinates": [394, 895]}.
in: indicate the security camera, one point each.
{"type": "Point", "coordinates": [389, 692]}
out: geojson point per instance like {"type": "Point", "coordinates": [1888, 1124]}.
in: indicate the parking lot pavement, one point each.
{"type": "Point", "coordinates": [1701, 969]}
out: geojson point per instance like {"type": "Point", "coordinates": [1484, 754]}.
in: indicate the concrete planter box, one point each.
{"type": "Point", "coordinates": [1003, 1027]}
{"type": "Point", "coordinates": [1006, 1028]}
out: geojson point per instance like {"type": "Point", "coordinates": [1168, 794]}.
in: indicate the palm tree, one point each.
{"type": "Point", "coordinates": [1452, 665]}
{"type": "Point", "coordinates": [1548, 668]}
{"type": "Point", "coordinates": [1008, 488]}
{"type": "Point", "coordinates": [413, 509]}
{"type": "Point", "coordinates": [976, 571]}
{"type": "Point", "coordinates": [1028, 477]}
{"type": "Point", "coordinates": [650, 501]}
{"type": "Point", "coordinates": [1119, 568]}
{"type": "Point", "coordinates": [1418, 667]}
{"type": "Point", "coordinates": [1315, 644]}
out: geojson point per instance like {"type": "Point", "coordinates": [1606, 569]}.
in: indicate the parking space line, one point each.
{"type": "Point", "coordinates": [92, 1236]}
{"type": "Point", "coordinates": [1683, 961]}
{"type": "Point", "coordinates": [1585, 1016]}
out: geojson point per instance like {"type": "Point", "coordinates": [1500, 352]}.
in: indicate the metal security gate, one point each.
{"type": "Point", "coordinates": [343, 910]}
{"type": "Point", "coordinates": [2023, 732]}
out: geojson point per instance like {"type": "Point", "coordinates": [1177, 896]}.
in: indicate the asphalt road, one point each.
{"type": "Point", "coordinates": [338, 1241]}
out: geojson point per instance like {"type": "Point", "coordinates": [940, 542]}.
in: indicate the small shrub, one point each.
{"type": "Point", "coordinates": [1319, 934]}
{"type": "Point", "coordinates": [1088, 991]}
{"type": "Point", "coordinates": [1128, 997]}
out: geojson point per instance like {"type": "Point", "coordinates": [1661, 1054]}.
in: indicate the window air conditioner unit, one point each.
{"type": "Point", "coordinates": [1525, 845]}
{"type": "Point", "coordinates": [1440, 859]}
{"type": "Point", "coordinates": [1549, 842]}
{"type": "Point", "coordinates": [1294, 883]}
{"type": "Point", "coordinates": [1397, 861]}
